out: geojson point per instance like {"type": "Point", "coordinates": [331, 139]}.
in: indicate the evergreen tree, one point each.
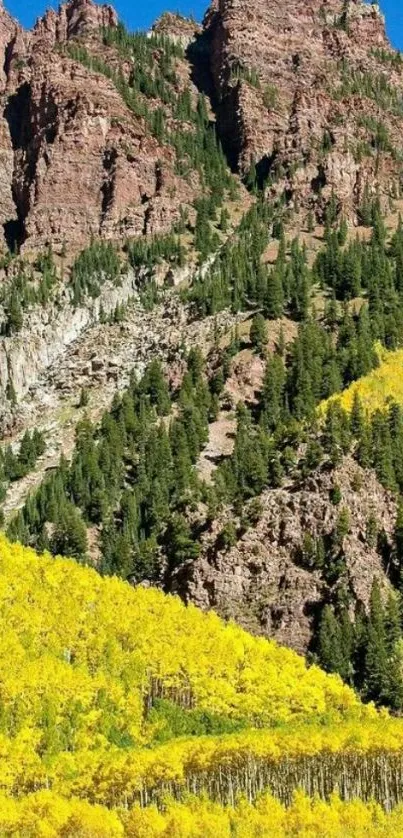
{"type": "Point", "coordinates": [376, 655]}
{"type": "Point", "coordinates": [274, 297]}
{"type": "Point", "coordinates": [14, 314]}
{"type": "Point", "coordinates": [357, 421]}
{"type": "Point", "coordinates": [398, 545]}
{"type": "Point", "coordinates": [70, 534]}
{"type": "Point", "coordinates": [155, 386]}
{"type": "Point", "coordinates": [330, 652]}
{"type": "Point", "coordinates": [272, 397]}
{"type": "Point", "coordinates": [180, 543]}
{"type": "Point", "coordinates": [258, 333]}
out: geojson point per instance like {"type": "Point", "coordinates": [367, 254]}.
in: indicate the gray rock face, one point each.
{"type": "Point", "coordinates": [47, 335]}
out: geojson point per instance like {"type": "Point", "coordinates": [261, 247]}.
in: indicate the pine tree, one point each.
{"type": "Point", "coordinates": [357, 417]}
{"type": "Point", "coordinates": [258, 333]}
{"type": "Point", "coordinates": [346, 643]}
{"type": "Point", "coordinates": [155, 386]}
{"type": "Point", "coordinates": [272, 398]}
{"type": "Point", "coordinates": [180, 543]}
{"type": "Point", "coordinates": [376, 656]}
{"type": "Point", "coordinates": [398, 544]}
{"type": "Point", "coordinates": [274, 297]}
{"type": "Point", "coordinates": [330, 651]}
{"type": "Point", "coordinates": [342, 232]}
{"type": "Point", "coordinates": [14, 314]}
{"type": "Point", "coordinates": [70, 534]}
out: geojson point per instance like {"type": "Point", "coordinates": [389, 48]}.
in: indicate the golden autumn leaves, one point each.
{"type": "Point", "coordinates": [78, 753]}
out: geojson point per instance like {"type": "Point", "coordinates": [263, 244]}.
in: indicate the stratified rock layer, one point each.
{"type": "Point", "coordinates": [75, 162]}
{"type": "Point", "coordinates": [276, 69]}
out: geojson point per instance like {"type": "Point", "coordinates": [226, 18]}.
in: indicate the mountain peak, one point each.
{"type": "Point", "coordinates": [77, 18]}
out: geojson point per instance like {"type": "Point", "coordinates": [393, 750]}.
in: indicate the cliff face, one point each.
{"type": "Point", "coordinates": [75, 161]}
{"type": "Point", "coordinates": [307, 91]}
{"type": "Point", "coordinates": [297, 86]}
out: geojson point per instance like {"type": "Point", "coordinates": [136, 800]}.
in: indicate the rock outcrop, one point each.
{"type": "Point", "coordinates": [308, 92]}
{"type": "Point", "coordinates": [75, 19]}
{"type": "Point", "coordinates": [179, 29]}
{"type": "Point", "coordinates": [47, 336]}
{"type": "Point", "coordinates": [75, 161]}
{"type": "Point", "coordinates": [263, 582]}
{"type": "Point", "coordinates": [297, 88]}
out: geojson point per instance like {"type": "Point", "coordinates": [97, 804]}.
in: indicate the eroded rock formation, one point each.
{"type": "Point", "coordinates": [300, 90]}
{"type": "Point", "coordinates": [75, 162]}
{"type": "Point", "coordinates": [263, 581]}
{"type": "Point", "coordinates": [292, 81]}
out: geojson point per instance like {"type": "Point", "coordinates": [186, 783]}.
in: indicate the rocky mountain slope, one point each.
{"type": "Point", "coordinates": [309, 93]}
{"type": "Point", "coordinates": [161, 193]}
{"type": "Point", "coordinates": [266, 577]}
{"type": "Point", "coordinates": [77, 162]}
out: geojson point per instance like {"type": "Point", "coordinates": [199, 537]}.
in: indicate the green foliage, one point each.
{"type": "Point", "coordinates": [270, 96]}
{"type": "Point", "coordinates": [84, 397]}
{"type": "Point", "coordinates": [147, 253]}
{"type": "Point", "coordinates": [366, 651]}
{"type": "Point", "coordinates": [13, 465]}
{"type": "Point", "coordinates": [227, 538]}
{"type": "Point", "coordinates": [70, 534]}
{"type": "Point", "coordinates": [330, 650]}
{"type": "Point", "coordinates": [355, 82]}
{"type": "Point", "coordinates": [95, 265]}
{"type": "Point", "coordinates": [312, 554]}
{"type": "Point", "coordinates": [191, 134]}
{"type": "Point", "coordinates": [378, 133]}
{"type": "Point", "coordinates": [343, 525]}
{"type": "Point", "coordinates": [171, 721]}
{"type": "Point", "coordinates": [391, 58]}
{"type": "Point", "coordinates": [22, 290]}
{"type": "Point", "coordinates": [133, 477]}
{"type": "Point", "coordinates": [335, 494]}
{"type": "Point", "coordinates": [249, 74]}
{"type": "Point", "coordinates": [258, 333]}
{"type": "Point", "coordinates": [239, 280]}
{"type": "Point", "coordinates": [342, 21]}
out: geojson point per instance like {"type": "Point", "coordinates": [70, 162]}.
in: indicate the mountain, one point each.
{"type": "Point", "coordinates": [201, 404]}
{"type": "Point", "coordinates": [310, 93]}
{"type": "Point", "coordinates": [201, 292]}
{"type": "Point", "coordinates": [78, 161]}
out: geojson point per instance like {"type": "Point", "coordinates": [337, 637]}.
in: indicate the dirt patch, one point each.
{"type": "Point", "coordinates": [220, 444]}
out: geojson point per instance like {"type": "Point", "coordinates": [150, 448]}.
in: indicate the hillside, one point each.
{"type": "Point", "coordinates": [204, 263]}
{"type": "Point", "coordinates": [128, 696]}
{"type": "Point", "coordinates": [201, 343]}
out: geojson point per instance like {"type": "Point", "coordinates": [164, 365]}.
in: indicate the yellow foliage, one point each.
{"type": "Point", "coordinates": [378, 388]}
{"type": "Point", "coordinates": [78, 657]}
{"type": "Point", "coordinates": [78, 652]}
{"type": "Point", "coordinates": [45, 814]}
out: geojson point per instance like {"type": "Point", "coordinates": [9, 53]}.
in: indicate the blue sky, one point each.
{"type": "Point", "coordinates": [139, 15]}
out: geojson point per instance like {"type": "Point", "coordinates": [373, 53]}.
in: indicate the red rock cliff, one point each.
{"type": "Point", "coordinates": [75, 162]}
{"type": "Point", "coordinates": [279, 69]}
